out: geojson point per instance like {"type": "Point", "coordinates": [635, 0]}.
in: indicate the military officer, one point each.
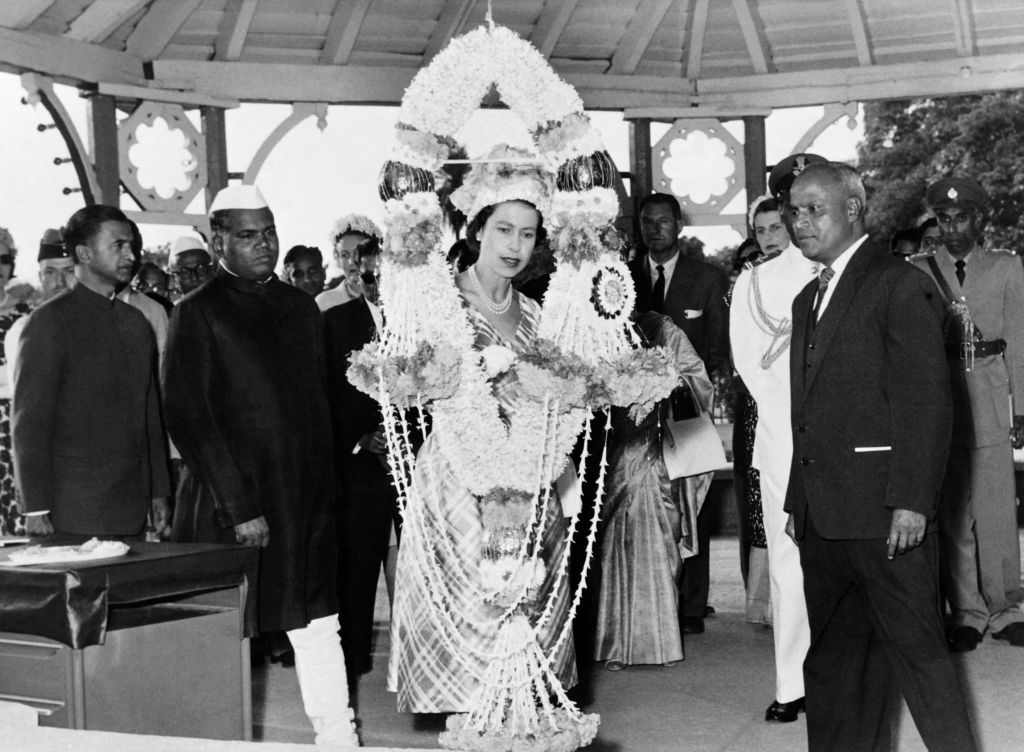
{"type": "Point", "coordinates": [984, 293]}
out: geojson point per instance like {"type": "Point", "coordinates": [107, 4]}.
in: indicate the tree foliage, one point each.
{"type": "Point", "coordinates": [911, 143]}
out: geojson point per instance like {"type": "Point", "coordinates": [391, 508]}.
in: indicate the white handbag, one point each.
{"type": "Point", "coordinates": [691, 447]}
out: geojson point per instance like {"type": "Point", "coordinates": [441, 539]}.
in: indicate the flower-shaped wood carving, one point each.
{"type": "Point", "coordinates": [162, 157]}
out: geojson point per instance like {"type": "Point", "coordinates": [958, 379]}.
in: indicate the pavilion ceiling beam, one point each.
{"type": "Point", "coordinates": [937, 78]}
{"type": "Point", "coordinates": [234, 29]}
{"type": "Point", "coordinates": [855, 11]}
{"type": "Point", "coordinates": [452, 19]}
{"type": "Point", "coordinates": [343, 30]}
{"type": "Point", "coordinates": [68, 60]}
{"type": "Point", "coordinates": [698, 25]}
{"type": "Point", "coordinates": [19, 14]}
{"type": "Point", "coordinates": [158, 27]}
{"type": "Point", "coordinates": [648, 17]}
{"type": "Point", "coordinates": [963, 28]}
{"type": "Point", "coordinates": [753, 34]}
{"type": "Point", "coordinates": [359, 84]}
{"type": "Point", "coordinates": [101, 19]}
{"type": "Point", "coordinates": [551, 24]}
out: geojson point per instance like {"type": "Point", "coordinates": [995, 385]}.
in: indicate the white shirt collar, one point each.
{"type": "Point", "coordinates": [838, 267]}
{"type": "Point", "coordinates": [668, 267]}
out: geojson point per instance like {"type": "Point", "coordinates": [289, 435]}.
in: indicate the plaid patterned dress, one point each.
{"type": "Point", "coordinates": [436, 661]}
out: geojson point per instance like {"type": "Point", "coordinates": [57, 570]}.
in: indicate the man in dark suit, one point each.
{"type": "Point", "coordinates": [692, 293]}
{"type": "Point", "coordinates": [871, 418]}
{"type": "Point", "coordinates": [90, 454]}
{"type": "Point", "coordinates": [367, 503]}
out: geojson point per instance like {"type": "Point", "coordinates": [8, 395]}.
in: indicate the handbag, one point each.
{"type": "Point", "coordinates": [691, 446]}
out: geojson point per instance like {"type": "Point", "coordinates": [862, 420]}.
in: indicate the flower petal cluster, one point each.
{"type": "Point", "coordinates": [430, 373]}
{"type": "Point", "coordinates": [637, 377]}
{"type": "Point", "coordinates": [497, 359]}
{"type": "Point", "coordinates": [509, 174]}
{"type": "Point", "coordinates": [355, 223]}
{"type": "Point", "coordinates": [414, 228]}
{"type": "Point", "coordinates": [567, 732]}
{"type": "Point", "coordinates": [560, 141]}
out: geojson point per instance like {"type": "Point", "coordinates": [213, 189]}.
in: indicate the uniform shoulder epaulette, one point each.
{"type": "Point", "coordinates": [920, 256]}
{"type": "Point", "coordinates": [762, 260]}
{"type": "Point", "coordinates": [1008, 251]}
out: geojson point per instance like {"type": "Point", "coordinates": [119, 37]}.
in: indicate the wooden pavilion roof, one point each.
{"type": "Point", "coordinates": [620, 54]}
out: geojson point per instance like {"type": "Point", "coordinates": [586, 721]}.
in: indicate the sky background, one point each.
{"type": "Point", "coordinates": [313, 176]}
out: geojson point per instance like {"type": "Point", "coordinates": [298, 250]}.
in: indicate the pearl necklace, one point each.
{"type": "Point", "coordinates": [498, 309]}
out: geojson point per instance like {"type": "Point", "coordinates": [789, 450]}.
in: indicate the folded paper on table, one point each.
{"type": "Point", "coordinates": [691, 447]}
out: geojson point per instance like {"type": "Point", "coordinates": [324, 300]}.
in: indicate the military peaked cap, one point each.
{"type": "Point", "coordinates": [783, 174]}
{"type": "Point", "coordinates": [963, 192]}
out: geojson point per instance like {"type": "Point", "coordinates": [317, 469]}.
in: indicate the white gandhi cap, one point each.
{"type": "Point", "coordinates": [187, 243]}
{"type": "Point", "coordinates": [238, 197]}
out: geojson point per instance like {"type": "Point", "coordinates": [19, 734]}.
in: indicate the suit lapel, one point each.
{"type": "Point", "coordinates": [844, 294]}
{"type": "Point", "coordinates": [798, 345]}
{"type": "Point", "coordinates": [680, 276]}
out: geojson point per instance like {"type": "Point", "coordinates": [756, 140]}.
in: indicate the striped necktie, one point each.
{"type": "Point", "coordinates": [824, 277]}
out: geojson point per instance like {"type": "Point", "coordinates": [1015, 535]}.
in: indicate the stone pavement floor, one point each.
{"type": "Point", "coordinates": [714, 701]}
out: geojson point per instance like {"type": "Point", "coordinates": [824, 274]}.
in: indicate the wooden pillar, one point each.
{"type": "Point", "coordinates": [754, 156]}
{"type": "Point", "coordinates": [640, 164]}
{"type": "Point", "coordinates": [215, 134]}
{"type": "Point", "coordinates": [103, 147]}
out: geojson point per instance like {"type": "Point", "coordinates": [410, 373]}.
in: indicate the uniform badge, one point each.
{"type": "Point", "coordinates": [952, 194]}
{"type": "Point", "coordinates": [799, 164]}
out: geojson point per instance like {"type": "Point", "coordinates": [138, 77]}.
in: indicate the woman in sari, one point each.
{"type": "Point", "coordinates": [649, 523]}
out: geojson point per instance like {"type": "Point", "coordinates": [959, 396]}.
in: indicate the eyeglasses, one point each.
{"type": "Point", "coordinates": [369, 278]}
{"type": "Point", "coordinates": [930, 242]}
{"type": "Point", "coordinates": [199, 270]}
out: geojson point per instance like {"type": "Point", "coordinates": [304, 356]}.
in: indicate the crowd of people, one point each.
{"type": "Point", "coordinates": [880, 401]}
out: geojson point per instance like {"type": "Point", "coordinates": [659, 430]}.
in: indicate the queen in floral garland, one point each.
{"type": "Point", "coordinates": [482, 618]}
{"type": "Point", "coordinates": [440, 655]}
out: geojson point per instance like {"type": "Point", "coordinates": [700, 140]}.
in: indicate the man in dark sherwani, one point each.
{"type": "Point", "coordinates": [90, 454]}
{"type": "Point", "coordinates": [246, 405]}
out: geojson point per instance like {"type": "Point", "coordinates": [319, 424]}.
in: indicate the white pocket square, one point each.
{"type": "Point", "coordinates": [860, 450]}
{"type": "Point", "coordinates": [692, 314]}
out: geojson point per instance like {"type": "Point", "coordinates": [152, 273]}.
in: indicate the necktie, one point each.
{"type": "Point", "coordinates": [658, 293]}
{"type": "Point", "coordinates": [961, 272]}
{"type": "Point", "coordinates": [824, 277]}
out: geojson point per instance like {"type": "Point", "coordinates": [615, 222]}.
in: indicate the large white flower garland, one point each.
{"type": "Point", "coordinates": [586, 359]}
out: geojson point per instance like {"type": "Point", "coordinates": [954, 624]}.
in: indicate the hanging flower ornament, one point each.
{"type": "Point", "coordinates": [587, 357]}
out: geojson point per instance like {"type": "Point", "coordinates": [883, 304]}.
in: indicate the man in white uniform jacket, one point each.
{"type": "Point", "coordinates": [759, 330]}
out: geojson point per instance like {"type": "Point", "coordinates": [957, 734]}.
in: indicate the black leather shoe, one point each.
{"type": "Point", "coordinates": [1012, 633]}
{"type": "Point", "coordinates": [785, 712]}
{"type": "Point", "coordinates": [964, 639]}
{"type": "Point", "coordinates": [693, 625]}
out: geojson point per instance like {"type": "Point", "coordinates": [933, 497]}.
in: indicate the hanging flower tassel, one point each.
{"type": "Point", "coordinates": [515, 712]}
